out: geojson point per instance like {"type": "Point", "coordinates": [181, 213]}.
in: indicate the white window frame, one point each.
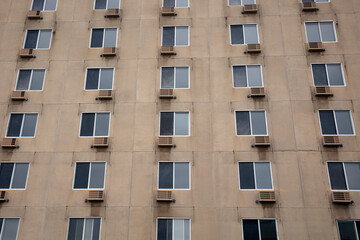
{"type": "Point", "coordinates": [174, 163]}
{"type": "Point", "coordinates": [259, 229]}
{"type": "Point", "coordinates": [327, 74]}
{"type": "Point", "coordinates": [189, 132]}
{"type": "Point", "coordinates": [12, 178]}
{"type": "Point", "coordinates": [94, 124]}
{"type": "Point", "coordinates": [107, 5]}
{"type": "Point", "coordinates": [346, 220]}
{"type": "Point", "coordinates": [38, 38]}
{"type": "Point", "coordinates": [242, 4]}
{"type": "Point", "coordinates": [255, 189]}
{"type": "Point", "coordinates": [88, 185]}
{"type": "Point", "coordinates": [31, 75]}
{"type": "Point", "coordinates": [336, 127]}
{"type": "Point", "coordinates": [175, 44]}
{"type": "Point", "coordinates": [43, 9]}
{"type": "Point", "coordinates": [175, 67]}
{"type": "Point", "coordinates": [243, 28]}
{"type": "Point", "coordinates": [318, 23]}
{"type": "Point", "coordinates": [188, 4]}
{"type": "Point", "coordinates": [346, 180]}
{"type": "Point", "coordinates": [116, 40]}
{"type": "Point", "coordinates": [84, 218]}
{"type": "Point", "coordinates": [100, 69]}
{"type": "Point", "coordinates": [22, 123]}
{"type": "Point", "coordinates": [247, 77]}
{"type": "Point", "coordinates": [172, 227]}
{"type": "Point", "coordinates": [251, 130]}
{"type": "Point", "coordinates": [2, 227]}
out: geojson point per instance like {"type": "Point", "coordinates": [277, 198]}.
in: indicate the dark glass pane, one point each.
{"type": "Point", "coordinates": [237, 35]}
{"type": "Point", "coordinates": [97, 38]}
{"type": "Point", "coordinates": [20, 176]}
{"type": "Point", "coordinates": [102, 124]}
{"type": "Point", "coordinates": [31, 39]}
{"type": "Point", "coordinates": [29, 125]}
{"type": "Point", "coordinates": [168, 36]}
{"type": "Point", "coordinates": [164, 229]}
{"type": "Point", "coordinates": [165, 175]}
{"type": "Point", "coordinates": [337, 176]}
{"type": "Point", "coordinates": [268, 230]}
{"type": "Point", "coordinates": [97, 175]}
{"type": "Point", "coordinates": [246, 172]}
{"type": "Point", "coordinates": [251, 230]}
{"type": "Point", "coordinates": [1, 222]}
{"type": "Point", "coordinates": [347, 230]}
{"type": "Point", "coordinates": [10, 230]}
{"type": "Point", "coordinates": [239, 73]}
{"type": "Point", "coordinates": [37, 80]}
{"type": "Point", "coordinates": [92, 79]}
{"type": "Point", "coordinates": [6, 170]}
{"type": "Point", "coordinates": [169, 3]}
{"type": "Point", "coordinates": [243, 123]}
{"type": "Point", "coordinates": [167, 123]}
{"type": "Point", "coordinates": [343, 122]}
{"type": "Point", "coordinates": [167, 77]}
{"type": "Point", "coordinates": [100, 4]}
{"type": "Point", "coordinates": [75, 229]}
{"type": "Point", "coordinates": [38, 5]}
{"type": "Point", "coordinates": [14, 125]}
{"type": "Point", "coordinates": [23, 80]}
{"type": "Point", "coordinates": [319, 74]}
{"type": "Point", "coordinates": [308, 1]}
{"type": "Point", "coordinates": [81, 175]}
{"type": "Point", "coordinates": [87, 124]}
{"type": "Point", "coordinates": [358, 227]}
{"type": "Point", "coordinates": [327, 122]}
{"type": "Point", "coordinates": [96, 229]}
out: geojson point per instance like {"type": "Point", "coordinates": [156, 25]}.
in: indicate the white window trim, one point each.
{"type": "Point", "coordinates": [243, 28]}
{"type": "Point", "coordinates": [84, 218]}
{"type": "Point", "coordinates": [348, 220]}
{"type": "Point", "coordinates": [94, 124]}
{"type": "Point", "coordinates": [31, 78]}
{"type": "Point", "coordinates": [2, 227]}
{"type": "Point", "coordinates": [100, 69]}
{"type": "Point", "coordinates": [103, 41]}
{"type": "Point", "coordinates": [175, 44]}
{"type": "Point", "coordinates": [242, 4]}
{"type": "Point", "coordinates": [107, 5]}
{"type": "Point", "coordinates": [175, 67]}
{"type": "Point", "coordinates": [336, 127]}
{"type": "Point", "coordinates": [251, 130]}
{"type": "Point", "coordinates": [43, 8]}
{"type": "Point", "coordinates": [318, 23]}
{"type": "Point", "coordinates": [22, 123]}
{"type": "Point", "coordinates": [38, 38]}
{"type": "Point", "coordinates": [259, 219]}
{"type": "Point", "coordinates": [12, 178]}
{"type": "Point", "coordinates": [174, 124]}
{"type": "Point", "coordinates": [255, 189]}
{"type": "Point", "coordinates": [247, 78]}
{"type": "Point", "coordinates": [327, 74]}
{"type": "Point", "coordinates": [172, 227]}
{"type": "Point", "coordinates": [88, 185]}
{"type": "Point", "coordinates": [188, 4]}
{"type": "Point", "coordinates": [158, 175]}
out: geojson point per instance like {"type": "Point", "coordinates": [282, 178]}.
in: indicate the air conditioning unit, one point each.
{"type": "Point", "coordinates": [341, 197]}
{"type": "Point", "coordinates": [164, 196]}
{"type": "Point", "coordinates": [27, 53]}
{"type": "Point", "coordinates": [18, 95]}
{"type": "Point", "coordinates": [323, 92]}
{"type": "Point", "coordinates": [309, 6]}
{"type": "Point", "coordinates": [8, 143]}
{"type": "Point", "coordinates": [250, 8]}
{"type": "Point", "coordinates": [167, 93]}
{"type": "Point", "coordinates": [34, 14]}
{"type": "Point", "coordinates": [3, 196]}
{"type": "Point", "coordinates": [257, 92]}
{"type": "Point", "coordinates": [95, 196]}
{"type": "Point", "coordinates": [315, 47]}
{"type": "Point", "coordinates": [104, 95]}
{"type": "Point", "coordinates": [168, 11]}
{"type": "Point", "coordinates": [253, 48]}
{"type": "Point", "coordinates": [108, 52]}
{"type": "Point", "coordinates": [167, 50]}
{"type": "Point", "coordinates": [101, 142]}
{"type": "Point", "coordinates": [331, 141]}
{"type": "Point", "coordinates": [267, 196]}
{"type": "Point", "coordinates": [166, 142]}
{"type": "Point", "coordinates": [262, 141]}
{"type": "Point", "coordinates": [112, 13]}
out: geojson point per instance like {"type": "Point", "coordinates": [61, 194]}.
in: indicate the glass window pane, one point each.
{"type": "Point", "coordinates": [38, 5]}
{"type": "Point", "coordinates": [347, 230]}
{"type": "Point", "coordinates": [308, 1]}
{"type": "Point", "coordinates": [97, 175]}
{"type": "Point", "coordinates": [164, 229]}
{"type": "Point", "coordinates": [178, 229]}
{"type": "Point", "coordinates": [245, 2]}
{"type": "Point", "coordinates": [165, 175]}
{"type": "Point", "coordinates": [181, 124]}
{"type": "Point", "coordinates": [81, 175]}
{"type": "Point", "coordinates": [29, 125]}
{"type": "Point", "coordinates": [50, 5]}
{"type": "Point", "coordinates": [10, 229]}
{"type": "Point", "coordinates": [45, 37]}
{"type": "Point", "coordinates": [37, 80]}
{"type": "Point", "coordinates": [312, 32]}
{"type": "Point", "coordinates": [353, 175]}
{"type": "Point", "coordinates": [75, 228]}
{"type": "Point", "coordinates": [254, 76]}
{"type": "Point", "coordinates": [234, 2]}
{"type": "Point", "coordinates": [181, 175]}
{"type": "Point", "coordinates": [182, 77]}
{"type": "Point", "coordinates": [337, 176]}
{"type": "Point", "coordinates": [327, 122]}
{"type": "Point", "coordinates": [237, 35]}
{"type": "Point", "coordinates": [182, 36]}
{"type": "Point", "coordinates": [186, 229]}
{"type": "Point", "coordinates": [88, 228]}
{"type": "Point", "coordinates": [20, 175]}
{"type": "Point", "coordinates": [250, 230]}
{"type": "Point", "coordinates": [358, 227]}
{"type": "Point", "coordinates": [92, 79]}
{"type": "Point", "coordinates": [243, 123]}
{"type": "Point", "coordinates": [168, 36]}
{"type": "Point", "coordinates": [169, 3]}
{"type": "Point", "coordinates": [258, 123]}
{"type": "Point", "coordinates": [343, 122]}
{"type": "Point", "coordinates": [319, 75]}
{"type": "Point", "coordinates": [31, 39]}
{"type": "Point", "coordinates": [1, 222]}
{"type": "Point", "coordinates": [239, 74]}
{"type": "Point", "coordinates": [110, 37]}
{"type": "Point", "coordinates": [6, 170]}
{"type": "Point", "coordinates": [167, 77]}
{"type": "Point", "coordinates": [106, 78]}
{"type": "Point", "coordinates": [14, 125]}
{"type": "Point", "coordinates": [327, 32]}
{"type": "Point", "coordinates": [97, 38]}
{"type": "Point", "coordinates": [114, 4]}
{"type": "Point", "coordinates": [102, 124]}
{"type": "Point", "coordinates": [251, 35]}
{"type": "Point", "coordinates": [23, 80]}
{"type": "Point", "coordinates": [335, 75]}
{"type": "Point", "coordinates": [96, 229]}
{"type": "Point", "coordinates": [246, 172]}
{"type": "Point", "coordinates": [268, 230]}
{"type": "Point", "coordinates": [100, 4]}
{"type": "Point", "coordinates": [87, 124]}
{"type": "Point", "coordinates": [263, 175]}
{"type": "Point", "coordinates": [166, 123]}
{"type": "Point", "coordinates": [182, 3]}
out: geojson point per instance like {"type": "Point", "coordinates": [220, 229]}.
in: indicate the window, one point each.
{"type": "Point", "coordinates": [84, 229]}
{"type": "Point", "coordinates": [251, 123]}
{"type": "Point", "coordinates": [344, 175]}
{"type": "Point", "coordinates": [247, 76]}
{"type": "Point", "coordinates": [89, 175]}
{"type": "Point", "coordinates": [255, 175]}
{"type": "Point", "coordinates": [349, 229]}
{"type": "Point", "coordinates": [174, 175]}
{"type": "Point", "coordinates": [38, 39]}
{"type": "Point", "coordinates": [44, 5]}
{"type": "Point", "coordinates": [259, 229]}
{"type": "Point", "coordinates": [99, 79]}
{"type": "Point", "coordinates": [240, 2]}
{"type": "Point", "coordinates": [173, 229]}
{"type": "Point", "coordinates": [244, 34]}
{"type": "Point", "coordinates": [175, 36]}
{"type": "Point", "coordinates": [107, 4]}
{"type": "Point", "coordinates": [30, 80]}
{"type": "Point", "coordinates": [22, 125]}
{"type": "Point", "coordinates": [328, 74]}
{"type": "Point", "coordinates": [95, 125]}
{"type": "Point", "coordinates": [9, 228]}
{"type": "Point", "coordinates": [103, 37]}
{"type": "Point", "coordinates": [336, 122]}
{"type": "Point", "coordinates": [13, 175]}
{"type": "Point", "coordinates": [320, 31]}
{"type": "Point", "coordinates": [176, 3]}
{"type": "Point", "coordinates": [316, 0]}
{"type": "Point", "coordinates": [175, 77]}
{"type": "Point", "coordinates": [174, 124]}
